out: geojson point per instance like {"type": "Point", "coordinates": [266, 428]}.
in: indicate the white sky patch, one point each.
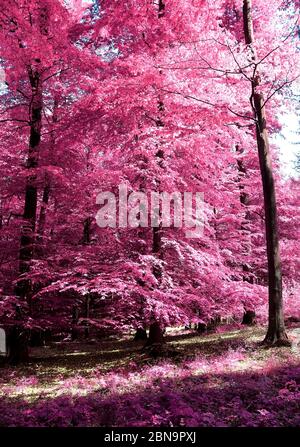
{"type": "Point", "coordinates": [288, 141]}
{"type": "Point", "coordinates": [107, 52]}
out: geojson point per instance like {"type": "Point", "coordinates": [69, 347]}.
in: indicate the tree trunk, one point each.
{"type": "Point", "coordinates": [75, 316]}
{"type": "Point", "coordinates": [140, 335]}
{"type": "Point", "coordinates": [87, 315]}
{"type": "Point", "coordinates": [46, 192]}
{"type": "Point", "coordinates": [17, 345]}
{"type": "Point", "coordinates": [42, 217]}
{"type": "Point", "coordinates": [37, 338]}
{"type": "Point", "coordinates": [161, 8]}
{"type": "Point", "coordinates": [30, 205]}
{"type": "Point", "coordinates": [276, 334]}
{"type": "Point", "coordinates": [201, 327]}
{"type": "Point", "coordinates": [27, 242]}
{"type": "Point", "coordinates": [249, 317]}
{"type": "Point", "coordinates": [248, 24]}
{"type": "Point", "coordinates": [87, 231]}
{"type": "Point", "coordinates": [156, 242]}
{"type": "Point", "coordinates": [27, 238]}
{"type": "Point", "coordinates": [276, 330]}
{"type": "Point", "coordinates": [156, 334]}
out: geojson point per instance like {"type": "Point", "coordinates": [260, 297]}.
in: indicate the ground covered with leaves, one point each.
{"type": "Point", "coordinates": [221, 379]}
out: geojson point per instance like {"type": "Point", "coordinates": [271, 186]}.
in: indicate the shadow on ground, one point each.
{"type": "Point", "coordinates": [243, 399]}
{"type": "Point", "coordinates": [220, 379]}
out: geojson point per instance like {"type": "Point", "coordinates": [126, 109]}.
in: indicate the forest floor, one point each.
{"type": "Point", "coordinates": [220, 379]}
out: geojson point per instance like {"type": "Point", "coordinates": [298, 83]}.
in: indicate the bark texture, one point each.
{"type": "Point", "coordinates": [276, 334]}
{"type": "Point", "coordinates": [156, 335]}
{"type": "Point", "coordinates": [276, 329]}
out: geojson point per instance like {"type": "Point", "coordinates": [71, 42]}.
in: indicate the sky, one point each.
{"type": "Point", "coordinates": [288, 141]}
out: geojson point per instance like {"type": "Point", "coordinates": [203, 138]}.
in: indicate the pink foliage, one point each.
{"type": "Point", "coordinates": [104, 70]}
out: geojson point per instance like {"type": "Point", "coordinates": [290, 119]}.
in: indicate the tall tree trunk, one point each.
{"type": "Point", "coordinates": [30, 205]}
{"type": "Point", "coordinates": [42, 217]}
{"type": "Point", "coordinates": [276, 330]}
{"type": "Point", "coordinates": [47, 187]}
{"type": "Point", "coordinates": [249, 315]}
{"type": "Point", "coordinates": [156, 334]}
{"type": "Point", "coordinates": [87, 315]}
{"type": "Point", "coordinates": [19, 348]}
{"type": "Point", "coordinates": [19, 344]}
{"type": "Point", "coordinates": [141, 334]}
{"type": "Point", "coordinates": [86, 239]}
{"type": "Point", "coordinates": [18, 340]}
{"type": "Point", "coordinates": [75, 317]}
{"type": "Point", "coordinates": [27, 242]}
{"type": "Point", "coordinates": [156, 331]}
{"type": "Point", "coordinates": [161, 8]}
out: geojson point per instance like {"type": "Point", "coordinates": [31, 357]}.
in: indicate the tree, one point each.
{"type": "Point", "coordinates": [276, 330]}
{"type": "Point", "coordinates": [153, 96]}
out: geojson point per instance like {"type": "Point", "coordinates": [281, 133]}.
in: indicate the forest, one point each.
{"type": "Point", "coordinates": [149, 213]}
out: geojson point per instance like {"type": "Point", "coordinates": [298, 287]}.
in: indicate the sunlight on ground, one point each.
{"type": "Point", "coordinates": [218, 361]}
